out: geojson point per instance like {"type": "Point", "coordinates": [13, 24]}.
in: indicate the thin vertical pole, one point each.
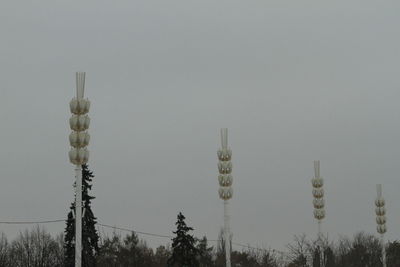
{"type": "Point", "coordinates": [224, 144]}
{"type": "Point", "coordinates": [320, 244]}
{"type": "Point", "coordinates": [319, 229]}
{"type": "Point", "coordinates": [383, 250]}
{"type": "Point", "coordinates": [316, 169]}
{"type": "Point", "coordinates": [80, 87]}
{"type": "Point", "coordinates": [78, 216]}
{"type": "Point", "coordinates": [80, 84]}
{"type": "Point", "coordinates": [224, 138]}
{"type": "Point", "coordinates": [227, 234]}
{"type": "Point", "coordinates": [317, 175]}
{"type": "Point", "coordinates": [379, 190]}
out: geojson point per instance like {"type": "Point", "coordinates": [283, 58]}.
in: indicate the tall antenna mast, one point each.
{"type": "Point", "coordinates": [319, 205]}
{"type": "Point", "coordinates": [79, 155]}
{"type": "Point", "coordinates": [381, 220]}
{"type": "Point", "coordinates": [225, 191]}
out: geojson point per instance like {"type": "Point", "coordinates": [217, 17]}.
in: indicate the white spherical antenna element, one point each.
{"type": "Point", "coordinates": [225, 193]}
{"type": "Point", "coordinates": [317, 182]}
{"type": "Point", "coordinates": [224, 154]}
{"type": "Point", "coordinates": [79, 139]}
{"type": "Point", "coordinates": [381, 220]}
{"type": "Point", "coordinates": [79, 156]}
{"type": "Point", "coordinates": [79, 122]}
{"type": "Point", "coordinates": [318, 192]}
{"type": "Point", "coordinates": [380, 211]}
{"type": "Point", "coordinates": [319, 214]}
{"type": "Point", "coordinates": [225, 167]}
{"type": "Point", "coordinates": [79, 106]}
{"type": "Point", "coordinates": [319, 203]}
{"type": "Point", "coordinates": [380, 202]}
{"type": "Point", "coordinates": [381, 229]}
{"type": "Point", "coordinates": [225, 180]}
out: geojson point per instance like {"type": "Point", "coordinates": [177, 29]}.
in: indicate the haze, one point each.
{"type": "Point", "coordinates": [293, 81]}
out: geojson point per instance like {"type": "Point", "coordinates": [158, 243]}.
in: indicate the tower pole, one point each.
{"type": "Point", "coordinates": [225, 190]}
{"type": "Point", "coordinates": [319, 205]}
{"type": "Point", "coordinates": [79, 155]}
{"type": "Point", "coordinates": [78, 216]}
{"type": "Point", "coordinates": [381, 220]}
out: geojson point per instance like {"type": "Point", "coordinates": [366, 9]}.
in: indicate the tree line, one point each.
{"type": "Point", "coordinates": [37, 248]}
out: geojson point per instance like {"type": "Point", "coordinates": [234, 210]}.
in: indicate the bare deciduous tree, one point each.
{"type": "Point", "coordinates": [35, 248]}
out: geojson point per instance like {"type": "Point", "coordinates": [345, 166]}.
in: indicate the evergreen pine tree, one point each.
{"type": "Point", "coordinates": [69, 239]}
{"type": "Point", "coordinates": [184, 252]}
{"type": "Point", "coordinates": [204, 252]}
{"type": "Point", "coordinates": [90, 237]}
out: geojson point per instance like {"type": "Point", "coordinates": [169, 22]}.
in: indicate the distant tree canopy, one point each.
{"type": "Point", "coordinates": [393, 253]}
{"type": "Point", "coordinates": [34, 248]}
{"type": "Point", "coordinates": [205, 253]}
{"type": "Point", "coordinates": [37, 248]}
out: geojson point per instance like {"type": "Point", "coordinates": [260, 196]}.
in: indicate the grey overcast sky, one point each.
{"type": "Point", "coordinates": [293, 81]}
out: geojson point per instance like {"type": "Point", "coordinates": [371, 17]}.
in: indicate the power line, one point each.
{"type": "Point", "coordinates": [124, 229]}
{"type": "Point", "coordinates": [130, 230]}
{"type": "Point", "coordinates": [170, 237]}
{"type": "Point", "coordinates": [31, 222]}
{"type": "Point", "coordinates": [100, 224]}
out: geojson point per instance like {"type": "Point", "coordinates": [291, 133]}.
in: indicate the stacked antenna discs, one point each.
{"type": "Point", "coordinates": [318, 193]}
{"type": "Point", "coordinates": [380, 211]}
{"type": "Point", "coordinates": [319, 205]}
{"type": "Point", "coordinates": [225, 169]}
{"type": "Point", "coordinates": [79, 124]}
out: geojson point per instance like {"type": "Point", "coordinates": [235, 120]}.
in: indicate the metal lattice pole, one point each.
{"type": "Point", "coordinates": [319, 205]}
{"type": "Point", "coordinates": [79, 155]}
{"type": "Point", "coordinates": [225, 191]}
{"type": "Point", "coordinates": [381, 220]}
